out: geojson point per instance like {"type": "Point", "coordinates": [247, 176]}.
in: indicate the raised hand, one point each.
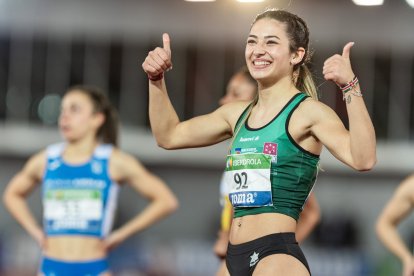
{"type": "Point", "coordinates": [158, 60]}
{"type": "Point", "coordinates": [338, 68]}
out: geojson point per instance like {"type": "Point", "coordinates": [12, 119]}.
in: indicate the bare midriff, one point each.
{"type": "Point", "coordinates": [74, 248]}
{"type": "Point", "coordinates": [251, 227]}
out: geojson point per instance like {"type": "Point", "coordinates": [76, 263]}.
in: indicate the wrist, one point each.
{"type": "Point", "coordinates": [155, 78]}
{"type": "Point", "coordinates": [349, 85]}
{"type": "Point", "coordinates": [350, 88]}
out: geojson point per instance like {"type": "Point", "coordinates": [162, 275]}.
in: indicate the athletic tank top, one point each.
{"type": "Point", "coordinates": [78, 199]}
{"type": "Point", "coordinates": [267, 170]}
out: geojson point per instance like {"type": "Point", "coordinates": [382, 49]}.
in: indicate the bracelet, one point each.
{"type": "Point", "coordinates": [156, 78]}
{"type": "Point", "coordinates": [350, 85]}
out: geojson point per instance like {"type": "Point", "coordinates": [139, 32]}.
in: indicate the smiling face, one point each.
{"type": "Point", "coordinates": [267, 53]}
{"type": "Point", "coordinates": [78, 118]}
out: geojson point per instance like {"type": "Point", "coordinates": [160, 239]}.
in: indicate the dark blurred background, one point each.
{"type": "Point", "coordinates": [48, 45]}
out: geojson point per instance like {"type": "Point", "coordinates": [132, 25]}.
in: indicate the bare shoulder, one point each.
{"type": "Point", "coordinates": [121, 159]}
{"type": "Point", "coordinates": [406, 187]}
{"type": "Point", "coordinates": [315, 109]}
{"type": "Point", "coordinates": [36, 165]}
{"type": "Point", "coordinates": [123, 165]}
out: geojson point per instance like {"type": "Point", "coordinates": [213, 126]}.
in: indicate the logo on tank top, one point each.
{"type": "Point", "coordinates": [242, 198]}
{"type": "Point", "coordinates": [254, 258]}
{"type": "Point", "coordinates": [96, 167]}
{"type": "Point", "coordinates": [244, 150]}
{"type": "Point", "coordinates": [249, 139]}
{"type": "Point", "coordinates": [229, 162]}
{"type": "Point", "coordinates": [270, 148]}
{"type": "Point", "coordinates": [54, 165]}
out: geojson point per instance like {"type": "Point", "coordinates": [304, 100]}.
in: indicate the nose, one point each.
{"type": "Point", "coordinates": [259, 50]}
{"type": "Point", "coordinates": [63, 115]}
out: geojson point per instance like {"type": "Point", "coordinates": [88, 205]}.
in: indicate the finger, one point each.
{"type": "Point", "coordinates": [166, 59]}
{"type": "Point", "coordinates": [332, 59]}
{"type": "Point", "coordinates": [166, 43]}
{"type": "Point", "coordinates": [152, 69]}
{"type": "Point", "coordinates": [329, 76]}
{"type": "Point", "coordinates": [157, 58]}
{"type": "Point", "coordinates": [327, 69]}
{"type": "Point", "coordinates": [347, 49]}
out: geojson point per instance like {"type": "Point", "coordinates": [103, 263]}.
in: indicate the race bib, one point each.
{"type": "Point", "coordinates": [69, 208]}
{"type": "Point", "coordinates": [248, 175]}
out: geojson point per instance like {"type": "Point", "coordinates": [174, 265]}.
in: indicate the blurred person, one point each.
{"type": "Point", "coordinates": [242, 87]}
{"type": "Point", "coordinates": [399, 206]}
{"type": "Point", "coordinates": [277, 139]}
{"type": "Point", "coordinates": [80, 179]}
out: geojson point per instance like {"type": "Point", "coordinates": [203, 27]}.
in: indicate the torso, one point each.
{"type": "Point", "coordinates": [245, 226]}
{"type": "Point", "coordinates": [74, 248]}
{"type": "Point", "coordinates": [79, 202]}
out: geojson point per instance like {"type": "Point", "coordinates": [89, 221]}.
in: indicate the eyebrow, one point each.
{"type": "Point", "coordinates": [267, 37]}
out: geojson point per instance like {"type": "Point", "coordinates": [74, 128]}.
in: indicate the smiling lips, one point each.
{"type": "Point", "coordinates": [260, 64]}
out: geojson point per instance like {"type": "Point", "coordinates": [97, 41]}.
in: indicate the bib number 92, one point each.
{"type": "Point", "coordinates": [241, 180]}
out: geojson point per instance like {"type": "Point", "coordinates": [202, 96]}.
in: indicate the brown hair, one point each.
{"type": "Point", "coordinates": [108, 131]}
{"type": "Point", "coordinates": [298, 34]}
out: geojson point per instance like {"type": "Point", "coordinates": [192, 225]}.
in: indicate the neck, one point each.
{"type": "Point", "coordinates": [81, 149]}
{"type": "Point", "coordinates": [278, 91]}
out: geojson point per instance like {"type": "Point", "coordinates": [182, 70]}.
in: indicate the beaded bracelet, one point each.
{"type": "Point", "coordinates": [350, 86]}
{"type": "Point", "coordinates": [156, 78]}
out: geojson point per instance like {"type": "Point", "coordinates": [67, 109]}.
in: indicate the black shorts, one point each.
{"type": "Point", "coordinates": [242, 258]}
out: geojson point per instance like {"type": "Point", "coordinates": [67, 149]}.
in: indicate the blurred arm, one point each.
{"type": "Point", "coordinates": [162, 200]}
{"type": "Point", "coordinates": [308, 219]}
{"type": "Point", "coordinates": [220, 247]}
{"type": "Point", "coordinates": [397, 208]}
{"type": "Point", "coordinates": [19, 187]}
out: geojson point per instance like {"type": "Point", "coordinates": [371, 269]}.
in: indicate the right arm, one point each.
{"type": "Point", "coordinates": [397, 208]}
{"type": "Point", "coordinates": [19, 187]}
{"type": "Point", "coordinates": [169, 132]}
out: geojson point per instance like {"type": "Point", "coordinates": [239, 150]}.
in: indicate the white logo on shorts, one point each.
{"type": "Point", "coordinates": [254, 258]}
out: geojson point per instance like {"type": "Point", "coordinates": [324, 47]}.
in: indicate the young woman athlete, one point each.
{"type": "Point", "coordinates": [80, 179]}
{"type": "Point", "coordinates": [276, 140]}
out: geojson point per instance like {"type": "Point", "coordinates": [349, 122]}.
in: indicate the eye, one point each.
{"type": "Point", "coordinates": [74, 108]}
{"type": "Point", "coordinates": [271, 42]}
{"type": "Point", "coordinates": [251, 41]}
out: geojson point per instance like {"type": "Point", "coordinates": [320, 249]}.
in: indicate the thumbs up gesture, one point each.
{"type": "Point", "coordinates": [337, 68]}
{"type": "Point", "coordinates": [158, 60]}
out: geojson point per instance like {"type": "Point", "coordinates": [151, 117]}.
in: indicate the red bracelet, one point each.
{"type": "Point", "coordinates": [156, 78]}
{"type": "Point", "coordinates": [349, 85]}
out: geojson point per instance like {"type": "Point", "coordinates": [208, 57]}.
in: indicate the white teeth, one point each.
{"type": "Point", "coordinates": [261, 63]}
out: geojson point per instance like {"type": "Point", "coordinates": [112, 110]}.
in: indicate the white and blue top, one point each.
{"type": "Point", "coordinates": [78, 199]}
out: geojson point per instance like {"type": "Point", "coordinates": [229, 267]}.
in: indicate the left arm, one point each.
{"type": "Point", "coordinates": [308, 219]}
{"type": "Point", "coordinates": [356, 147]}
{"type": "Point", "coordinates": [162, 200]}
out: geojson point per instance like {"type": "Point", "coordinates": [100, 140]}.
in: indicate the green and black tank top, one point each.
{"type": "Point", "coordinates": [268, 172]}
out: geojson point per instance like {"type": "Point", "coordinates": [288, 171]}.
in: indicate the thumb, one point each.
{"type": "Point", "coordinates": [166, 43]}
{"type": "Point", "coordinates": [347, 49]}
